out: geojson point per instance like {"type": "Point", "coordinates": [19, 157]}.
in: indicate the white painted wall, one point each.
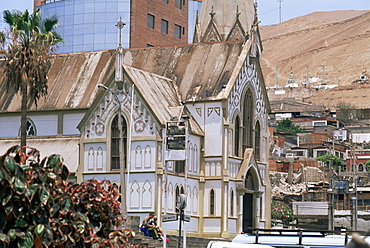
{"type": "Point", "coordinates": [216, 185]}
{"type": "Point", "coordinates": [213, 129]}
{"type": "Point", "coordinates": [194, 155]}
{"type": "Point", "coordinates": [46, 125]}
{"type": "Point", "coordinates": [8, 126]}
{"type": "Point", "coordinates": [114, 178]}
{"type": "Point", "coordinates": [361, 137]}
{"type": "Point", "coordinates": [141, 192]}
{"type": "Point", "coordinates": [198, 113]}
{"type": "Point", "coordinates": [143, 155]}
{"type": "Point", "coordinates": [70, 122]}
{"type": "Point", "coordinates": [95, 157]}
{"type": "Point", "coordinates": [212, 225]}
{"type": "Point", "coordinates": [232, 225]}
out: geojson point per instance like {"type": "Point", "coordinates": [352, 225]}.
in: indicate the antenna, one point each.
{"type": "Point", "coordinates": [280, 10]}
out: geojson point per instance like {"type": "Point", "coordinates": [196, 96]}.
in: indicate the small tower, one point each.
{"type": "Point", "coordinates": [119, 53]}
{"type": "Point", "coordinates": [225, 20]}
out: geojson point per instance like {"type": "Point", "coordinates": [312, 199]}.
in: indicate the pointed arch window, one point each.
{"type": "Point", "coordinates": [257, 141]}
{"type": "Point", "coordinates": [249, 184]}
{"type": "Point", "coordinates": [30, 128]}
{"type": "Point", "coordinates": [248, 120]}
{"type": "Point", "coordinates": [212, 202]}
{"type": "Point", "coordinates": [115, 152]}
{"type": "Point", "coordinates": [237, 137]}
{"type": "Point", "coordinates": [232, 203]}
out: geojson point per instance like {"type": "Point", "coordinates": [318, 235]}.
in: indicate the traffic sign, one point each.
{"type": "Point", "coordinates": [169, 217]}
{"type": "Point", "coordinates": [186, 218]}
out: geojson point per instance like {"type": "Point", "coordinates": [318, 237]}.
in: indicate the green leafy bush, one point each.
{"type": "Point", "coordinates": [332, 160]}
{"type": "Point", "coordinates": [281, 211]}
{"type": "Point", "coordinates": [287, 126]}
{"type": "Point", "coordinates": [39, 207]}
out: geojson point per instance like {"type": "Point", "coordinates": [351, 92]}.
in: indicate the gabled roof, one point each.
{"type": "Point", "coordinates": [159, 92]}
{"type": "Point", "coordinates": [199, 71]}
{"type": "Point", "coordinates": [72, 82]}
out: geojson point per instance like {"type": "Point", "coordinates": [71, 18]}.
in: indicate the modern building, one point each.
{"type": "Point", "coordinates": [87, 25]}
{"type": "Point", "coordinates": [195, 122]}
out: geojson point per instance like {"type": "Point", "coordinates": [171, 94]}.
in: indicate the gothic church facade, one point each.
{"type": "Point", "coordinates": [214, 88]}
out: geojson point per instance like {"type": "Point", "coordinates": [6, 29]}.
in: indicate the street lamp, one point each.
{"type": "Point", "coordinates": [121, 151]}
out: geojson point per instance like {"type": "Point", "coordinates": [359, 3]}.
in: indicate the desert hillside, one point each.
{"type": "Point", "coordinates": [336, 43]}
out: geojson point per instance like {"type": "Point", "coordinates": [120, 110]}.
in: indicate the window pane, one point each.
{"type": "Point", "coordinates": [180, 166]}
{"type": "Point", "coordinates": [178, 31]}
{"type": "Point", "coordinates": [237, 136]}
{"type": "Point", "coordinates": [115, 151]}
{"type": "Point", "coordinates": [30, 128]}
{"type": "Point", "coordinates": [178, 4]}
{"type": "Point", "coordinates": [257, 141]}
{"type": "Point", "coordinates": [164, 26]}
{"type": "Point", "coordinates": [232, 203]}
{"type": "Point", "coordinates": [248, 120]}
{"type": "Point", "coordinates": [212, 202]}
{"type": "Point", "coordinates": [150, 21]}
{"type": "Point", "coordinates": [165, 1]}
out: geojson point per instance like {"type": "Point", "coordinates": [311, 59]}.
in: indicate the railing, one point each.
{"type": "Point", "coordinates": [300, 234]}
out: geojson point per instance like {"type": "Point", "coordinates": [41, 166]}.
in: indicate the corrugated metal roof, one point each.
{"type": "Point", "coordinates": [199, 70]}
{"type": "Point", "coordinates": [159, 92]}
{"type": "Point", "coordinates": [72, 82]}
{"type": "Point", "coordinates": [67, 148]}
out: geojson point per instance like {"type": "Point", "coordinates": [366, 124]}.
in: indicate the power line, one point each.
{"type": "Point", "coordinates": [268, 11]}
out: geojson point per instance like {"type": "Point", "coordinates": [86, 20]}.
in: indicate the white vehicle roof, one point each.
{"type": "Point", "coordinates": [224, 244]}
{"type": "Point", "coordinates": [293, 240]}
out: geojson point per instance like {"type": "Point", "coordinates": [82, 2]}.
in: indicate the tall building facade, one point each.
{"type": "Point", "coordinates": [90, 25]}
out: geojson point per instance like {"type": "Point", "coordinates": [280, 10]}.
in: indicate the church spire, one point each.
{"type": "Point", "coordinates": [225, 19]}
{"type": "Point", "coordinates": [119, 53]}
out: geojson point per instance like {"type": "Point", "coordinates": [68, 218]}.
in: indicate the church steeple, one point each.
{"type": "Point", "coordinates": [221, 20]}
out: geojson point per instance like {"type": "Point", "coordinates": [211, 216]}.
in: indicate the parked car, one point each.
{"type": "Point", "coordinates": [294, 239]}
{"type": "Point", "coordinates": [224, 244]}
{"type": "Point", "coordinates": [290, 155]}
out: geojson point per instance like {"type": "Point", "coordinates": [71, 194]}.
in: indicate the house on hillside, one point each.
{"type": "Point", "coordinates": [194, 122]}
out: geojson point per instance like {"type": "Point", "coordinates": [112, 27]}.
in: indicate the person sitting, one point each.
{"type": "Point", "coordinates": [153, 222]}
{"type": "Point", "coordinates": [148, 228]}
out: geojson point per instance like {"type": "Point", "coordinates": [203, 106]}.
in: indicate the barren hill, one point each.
{"type": "Point", "coordinates": [334, 46]}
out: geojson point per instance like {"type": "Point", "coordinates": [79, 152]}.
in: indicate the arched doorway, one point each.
{"type": "Point", "coordinates": [248, 202]}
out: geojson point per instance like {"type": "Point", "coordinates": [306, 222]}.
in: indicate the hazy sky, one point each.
{"type": "Point", "coordinates": [268, 10]}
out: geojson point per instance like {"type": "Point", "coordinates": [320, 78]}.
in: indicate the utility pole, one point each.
{"type": "Point", "coordinates": [354, 215]}
{"type": "Point", "coordinates": [330, 199]}
{"type": "Point", "coordinates": [323, 75]}
{"type": "Point", "coordinates": [290, 171]}
{"type": "Point", "coordinates": [280, 18]}
{"type": "Point", "coordinates": [277, 78]}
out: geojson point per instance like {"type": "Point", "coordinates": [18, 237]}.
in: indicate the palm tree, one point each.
{"type": "Point", "coordinates": [28, 44]}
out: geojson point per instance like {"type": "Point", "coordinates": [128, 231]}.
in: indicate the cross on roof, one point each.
{"type": "Point", "coordinates": [120, 25]}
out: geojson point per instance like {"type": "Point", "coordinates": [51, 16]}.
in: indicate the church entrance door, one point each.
{"type": "Point", "coordinates": [247, 211]}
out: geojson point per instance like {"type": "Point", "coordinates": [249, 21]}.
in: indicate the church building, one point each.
{"type": "Point", "coordinates": [192, 121]}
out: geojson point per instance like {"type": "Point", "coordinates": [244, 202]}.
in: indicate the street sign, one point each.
{"type": "Point", "coordinates": [181, 201]}
{"type": "Point", "coordinates": [169, 217]}
{"type": "Point", "coordinates": [186, 218]}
